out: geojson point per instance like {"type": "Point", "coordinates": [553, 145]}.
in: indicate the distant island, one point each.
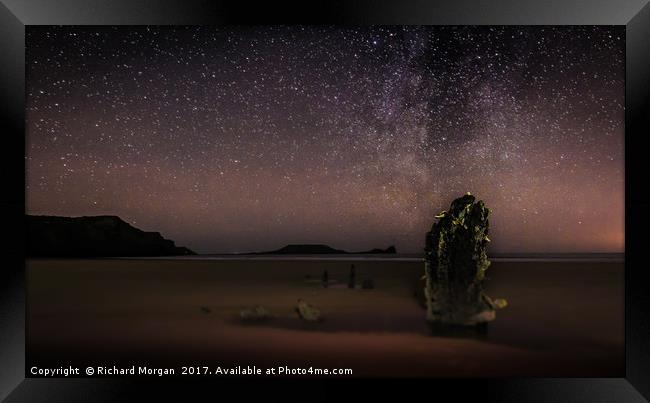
{"type": "Point", "coordinates": [319, 249]}
{"type": "Point", "coordinates": [94, 236]}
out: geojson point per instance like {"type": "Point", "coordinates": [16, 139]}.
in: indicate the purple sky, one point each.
{"type": "Point", "coordinates": [231, 139]}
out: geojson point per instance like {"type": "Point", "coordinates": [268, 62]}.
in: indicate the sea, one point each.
{"type": "Point", "coordinates": [398, 257]}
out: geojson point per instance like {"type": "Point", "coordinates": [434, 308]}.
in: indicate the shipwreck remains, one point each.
{"type": "Point", "coordinates": [455, 265]}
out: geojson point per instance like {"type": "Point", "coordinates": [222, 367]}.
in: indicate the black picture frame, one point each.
{"type": "Point", "coordinates": [16, 14]}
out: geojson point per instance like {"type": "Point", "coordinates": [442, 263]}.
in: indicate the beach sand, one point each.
{"type": "Point", "coordinates": [564, 319]}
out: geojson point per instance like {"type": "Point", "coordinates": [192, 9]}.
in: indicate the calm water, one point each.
{"type": "Point", "coordinates": [577, 257]}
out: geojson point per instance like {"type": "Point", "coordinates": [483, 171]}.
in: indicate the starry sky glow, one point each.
{"type": "Point", "coordinates": [233, 139]}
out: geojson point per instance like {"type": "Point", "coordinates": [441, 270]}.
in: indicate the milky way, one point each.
{"type": "Point", "coordinates": [231, 139]}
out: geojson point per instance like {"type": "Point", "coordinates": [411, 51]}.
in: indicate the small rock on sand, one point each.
{"type": "Point", "coordinates": [257, 312]}
{"type": "Point", "coordinates": [307, 312]}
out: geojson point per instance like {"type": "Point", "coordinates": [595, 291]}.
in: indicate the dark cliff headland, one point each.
{"type": "Point", "coordinates": [94, 236]}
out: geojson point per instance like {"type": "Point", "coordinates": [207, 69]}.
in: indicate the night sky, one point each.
{"type": "Point", "coordinates": [233, 139]}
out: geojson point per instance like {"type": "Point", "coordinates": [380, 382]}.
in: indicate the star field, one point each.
{"type": "Point", "coordinates": [232, 139]}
